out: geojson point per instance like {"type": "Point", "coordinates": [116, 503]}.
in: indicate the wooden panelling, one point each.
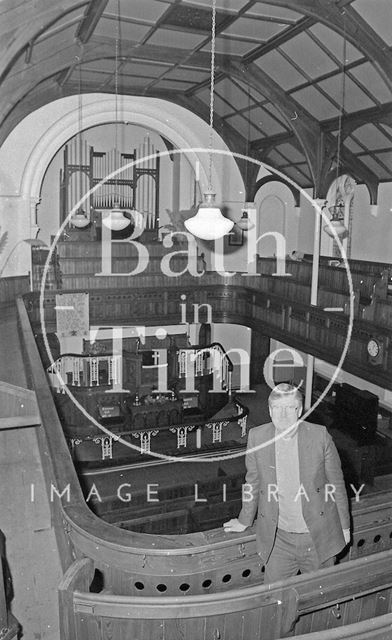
{"type": "Point", "coordinates": [12, 287]}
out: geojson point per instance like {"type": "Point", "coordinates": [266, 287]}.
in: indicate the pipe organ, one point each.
{"type": "Point", "coordinates": [136, 187]}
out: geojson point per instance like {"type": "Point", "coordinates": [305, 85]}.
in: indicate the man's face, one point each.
{"type": "Point", "coordinates": [285, 411]}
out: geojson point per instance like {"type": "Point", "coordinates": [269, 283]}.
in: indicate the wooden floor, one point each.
{"type": "Point", "coordinates": [30, 543]}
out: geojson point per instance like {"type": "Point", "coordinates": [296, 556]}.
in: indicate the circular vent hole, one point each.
{"type": "Point", "coordinates": [360, 542]}
{"type": "Point", "coordinates": [226, 578]}
{"type": "Point", "coordinates": [377, 538]}
{"type": "Point", "coordinates": [246, 573]}
{"type": "Point", "coordinates": [184, 586]}
{"type": "Point", "coordinates": [139, 586]}
{"type": "Point", "coordinates": [206, 584]}
{"type": "Point", "coordinates": [161, 587]}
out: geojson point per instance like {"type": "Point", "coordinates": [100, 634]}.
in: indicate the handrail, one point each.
{"type": "Point", "coordinates": [244, 302]}
{"type": "Point", "coordinates": [298, 595]}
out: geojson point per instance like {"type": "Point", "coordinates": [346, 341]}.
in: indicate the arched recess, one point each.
{"type": "Point", "coordinates": [276, 213]}
{"type": "Point", "coordinates": [29, 148]}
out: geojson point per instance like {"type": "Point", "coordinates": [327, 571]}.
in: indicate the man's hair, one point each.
{"type": "Point", "coordinates": [284, 389]}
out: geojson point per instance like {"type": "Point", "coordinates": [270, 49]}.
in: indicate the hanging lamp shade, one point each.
{"type": "Point", "coordinates": [337, 221]}
{"type": "Point", "coordinates": [209, 223]}
{"type": "Point", "coordinates": [116, 220]}
{"type": "Point", "coordinates": [80, 219]}
{"type": "Point", "coordinates": [244, 223]}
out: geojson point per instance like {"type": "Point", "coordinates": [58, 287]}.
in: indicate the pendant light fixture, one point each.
{"type": "Point", "coordinates": [116, 219]}
{"type": "Point", "coordinates": [209, 223]}
{"type": "Point", "coordinates": [337, 210]}
{"type": "Point", "coordinates": [244, 223]}
{"type": "Point", "coordinates": [80, 220]}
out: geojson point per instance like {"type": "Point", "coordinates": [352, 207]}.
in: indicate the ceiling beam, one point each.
{"type": "Point", "coordinates": [91, 17]}
{"type": "Point", "coordinates": [352, 121]}
{"type": "Point", "coordinates": [348, 23]}
{"type": "Point", "coordinates": [319, 147]}
{"type": "Point", "coordinates": [279, 39]}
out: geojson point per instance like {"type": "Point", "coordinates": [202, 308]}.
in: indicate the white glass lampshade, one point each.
{"type": "Point", "coordinates": [209, 223]}
{"type": "Point", "coordinates": [80, 219]}
{"type": "Point", "coordinates": [116, 220]}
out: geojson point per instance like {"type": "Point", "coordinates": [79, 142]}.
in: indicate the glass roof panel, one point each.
{"type": "Point", "coordinates": [255, 96]}
{"type": "Point", "coordinates": [242, 126]}
{"type": "Point", "coordinates": [177, 85]}
{"type": "Point", "coordinates": [374, 166]}
{"type": "Point", "coordinates": [229, 45]}
{"type": "Point", "coordinates": [276, 158]}
{"type": "Point", "coordinates": [280, 70]}
{"type": "Point", "coordinates": [371, 137]}
{"type": "Point", "coordinates": [148, 10]}
{"type": "Point", "coordinates": [371, 79]}
{"type": "Point", "coordinates": [140, 68]}
{"type": "Point", "coordinates": [304, 168]}
{"type": "Point", "coordinates": [259, 30]}
{"type": "Point", "coordinates": [308, 56]}
{"type": "Point", "coordinates": [262, 119]}
{"type": "Point", "coordinates": [190, 75]}
{"type": "Point", "coordinates": [378, 15]}
{"type": "Point", "coordinates": [276, 113]}
{"type": "Point", "coordinates": [233, 94]}
{"type": "Point", "coordinates": [354, 98]}
{"type": "Point", "coordinates": [226, 5]}
{"type": "Point", "coordinates": [295, 174]}
{"type": "Point", "coordinates": [178, 39]}
{"type": "Point", "coordinates": [334, 42]}
{"type": "Point", "coordinates": [291, 153]}
{"type": "Point", "coordinates": [387, 128]}
{"type": "Point", "coordinates": [386, 158]}
{"type": "Point", "coordinates": [261, 8]}
{"type": "Point", "coordinates": [221, 107]}
{"type": "Point", "coordinates": [315, 103]}
{"type": "Point", "coordinates": [352, 145]}
{"type": "Point", "coordinates": [108, 28]}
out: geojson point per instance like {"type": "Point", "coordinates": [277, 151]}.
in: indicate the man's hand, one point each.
{"type": "Point", "coordinates": [347, 536]}
{"type": "Point", "coordinates": [234, 526]}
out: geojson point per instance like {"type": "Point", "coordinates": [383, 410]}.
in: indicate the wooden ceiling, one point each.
{"type": "Point", "coordinates": [289, 74]}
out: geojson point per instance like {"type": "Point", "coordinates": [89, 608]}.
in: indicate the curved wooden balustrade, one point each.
{"type": "Point", "coordinates": [242, 300]}
{"type": "Point", "coordinates": [321, 600]}
{"type": "Point", "coordinates": [219, 573]}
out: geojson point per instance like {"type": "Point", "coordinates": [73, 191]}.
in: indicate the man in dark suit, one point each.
{"type": "Point", "coordinates": [294, 480]}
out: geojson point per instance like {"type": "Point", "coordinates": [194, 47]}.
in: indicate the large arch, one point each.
{"type": "Point", "coordinates": [45, 130]}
